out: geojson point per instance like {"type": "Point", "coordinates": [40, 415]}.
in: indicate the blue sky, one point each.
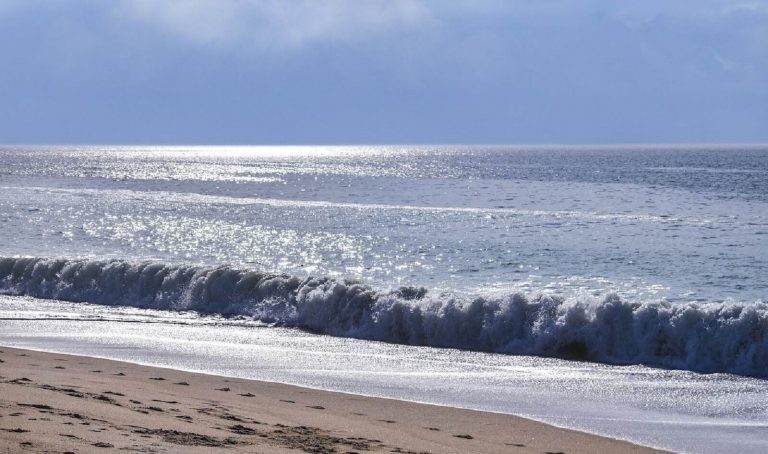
{"type": "Point", "coordinates": [383, 71]}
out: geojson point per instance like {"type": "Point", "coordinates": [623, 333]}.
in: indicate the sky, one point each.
{"type": "Point", "coordinates": [383, 71]}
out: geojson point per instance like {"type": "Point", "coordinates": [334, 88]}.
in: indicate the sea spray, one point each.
{"type": "Point", "coordinates": [711, 337]}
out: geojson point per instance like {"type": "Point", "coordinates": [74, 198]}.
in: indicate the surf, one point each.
{"type": "Point", "coordinates": [702, 337]}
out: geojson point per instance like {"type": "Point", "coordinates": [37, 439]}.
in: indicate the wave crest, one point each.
{"type": "Point", "coordinates": [723, 337]}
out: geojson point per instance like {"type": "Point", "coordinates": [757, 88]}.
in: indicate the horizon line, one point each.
{"type": "Point", "coordinates": [374, 144]}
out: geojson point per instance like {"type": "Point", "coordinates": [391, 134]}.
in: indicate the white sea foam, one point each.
{"type": "Point", "coordinates": [156, 196]}
{"type": "Point", "coordinates": [715, 337]}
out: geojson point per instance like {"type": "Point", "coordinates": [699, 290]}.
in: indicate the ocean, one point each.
{"type": "Point", "coordinates": [620, 290]}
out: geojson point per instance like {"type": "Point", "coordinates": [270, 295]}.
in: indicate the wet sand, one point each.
{"type": "Point", "coordinates": [63, 403]}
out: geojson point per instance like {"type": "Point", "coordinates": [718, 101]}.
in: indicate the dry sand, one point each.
{"type": "Point", "coordinates": [62, 403]}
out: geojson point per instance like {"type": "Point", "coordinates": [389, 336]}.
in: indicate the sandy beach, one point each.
{"type": "Point", "coordinates": [62, 403]}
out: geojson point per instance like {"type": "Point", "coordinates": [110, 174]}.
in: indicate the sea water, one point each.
{"type": "Point", "coordinates": [644, 255]}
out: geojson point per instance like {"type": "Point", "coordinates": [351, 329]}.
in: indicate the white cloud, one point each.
{"type": "Point", "coordinates": [274, 25]}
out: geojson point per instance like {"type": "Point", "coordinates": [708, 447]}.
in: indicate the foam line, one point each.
{"type": "Point", "coordinates": [710, 337]}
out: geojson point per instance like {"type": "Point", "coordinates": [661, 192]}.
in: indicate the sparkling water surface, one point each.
{"type": "Point", "coordinates": [675, 224]}
{"type": "Point", "coordinates": [658, 222]}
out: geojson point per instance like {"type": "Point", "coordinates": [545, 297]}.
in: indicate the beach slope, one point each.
{"type": "Point", "coordinates": [62, 403]}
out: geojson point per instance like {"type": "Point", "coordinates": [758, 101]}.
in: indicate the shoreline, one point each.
{"type": "Point", "coordinates": [60, 402]}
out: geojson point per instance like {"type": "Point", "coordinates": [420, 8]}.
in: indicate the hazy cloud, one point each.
{"type": "Point", "coordinates": [274, 24]}
{"type": "Point", "coordinates": [383, 70]}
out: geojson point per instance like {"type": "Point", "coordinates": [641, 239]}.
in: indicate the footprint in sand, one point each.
{"type": "Point", "coordinates": [242, 430]}
{"type": "Point", "coordinates": [119, 374]}
{"type": "Point", "coordinates": [316, 407]}
{"type": "Point", "coordinates": [157, 378]}
{"type": "Point", "coordinates": [465, 436]}
{"type": "Point", "coordinates": [287, 401]}
{"type": "Point", "coordinates": [517, 445]}
{"type": "Point", "coordinates": [96, 371]}
{"type": "Point", "coordinates": [247, 395]}
{"type": "Point", "coordinates": [226, 390]}
{"type": "Point", "coordinates": [182, 383]}
{"type": "Point", "coordinates": [433, 428]}
{"type": "Point", "coordinates": [38, 406]}
{"type": "Point", "coordinates": [388, 421]}
{"type": "Point", "coordinates": [59, 367]}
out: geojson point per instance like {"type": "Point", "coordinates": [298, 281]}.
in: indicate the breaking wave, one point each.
{"type": "Point", "coordinates": [723, 337]}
